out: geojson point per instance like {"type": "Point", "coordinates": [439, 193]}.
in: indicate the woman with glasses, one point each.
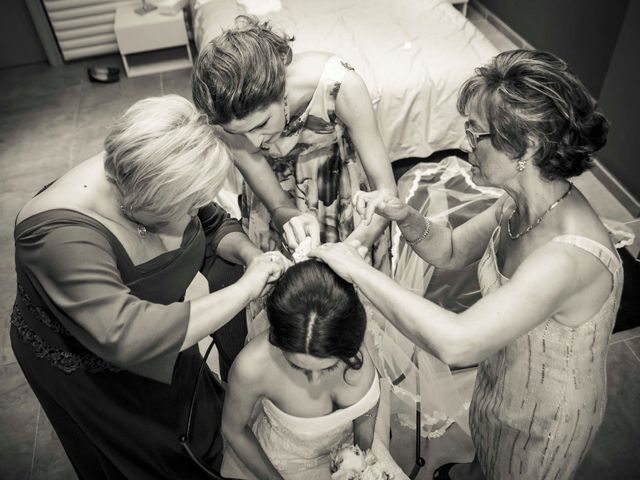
{"type": "Point", "coordinates": [100, 328]}
{"type": "Point", "coordinates": [305, 387]}
{"type": "Point", "coordinates": [549, 275]}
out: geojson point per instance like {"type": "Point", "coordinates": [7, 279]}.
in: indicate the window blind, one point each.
{"type": "Point", "coordinates": [83, 28]}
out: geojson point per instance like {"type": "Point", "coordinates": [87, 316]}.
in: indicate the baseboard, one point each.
{"type": "Point", "coordinates": [618, 190]}
{"type": "Point", "coordinates": [502, 27]}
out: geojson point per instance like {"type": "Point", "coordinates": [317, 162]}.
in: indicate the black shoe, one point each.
{"type": "Point", "coordinates": [442, 472]}
{"type": "Point", "coordinates": [103, 74]}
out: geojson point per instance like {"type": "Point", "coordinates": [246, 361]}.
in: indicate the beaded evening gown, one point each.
{"type": "Point", "coordinates": [538, 402]}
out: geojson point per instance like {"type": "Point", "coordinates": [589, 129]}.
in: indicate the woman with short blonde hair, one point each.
{"type": "Point", "coordinates": [177, 157]}
{"type": "Point", "coordinates": [104, 256]}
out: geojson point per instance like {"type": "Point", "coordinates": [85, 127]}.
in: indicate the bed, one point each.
{"type": "Point", "coordinates": [412, 54]}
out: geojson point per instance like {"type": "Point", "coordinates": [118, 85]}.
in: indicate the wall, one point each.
{"type": "Point", "coordinates": [19, 42]}
{"type": "Point", "coordinates": [582, 32]}
{"type": "Point", "coordinates": [620, 101]}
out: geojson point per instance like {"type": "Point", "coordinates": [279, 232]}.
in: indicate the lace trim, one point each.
{"type": "Point", "coordinates": [426, 429]}
{"type": "Point", "coordinates": [40, 315]}
{"type": "Point", "coordinates": [66, 361]}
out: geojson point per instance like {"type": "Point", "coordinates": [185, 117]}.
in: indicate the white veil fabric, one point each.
{"type": "Point", "coordinates": [445, 194]}
{"type": "Point", "coordinates": [420, 381]}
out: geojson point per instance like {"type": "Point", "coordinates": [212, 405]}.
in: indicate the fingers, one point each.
{"type": "Point", "coordinates": [279, 263]}
{"type": "Point", "coordinates": [358, 247]}
{"type": "Point", "coordinates": [375, 204]}
{"type": "Point", "coordinates": [313, 229]}
{"type": "Point", "coordinates": [300, 227]}
{"type": "Point", "coordinates": [359, 202]}
{"type": "Point", "coordinates": [321, 252]}
{"type": "Point", "coordinates": [290, 236]}
{"type": "Point", "coordinates": [367, 204]}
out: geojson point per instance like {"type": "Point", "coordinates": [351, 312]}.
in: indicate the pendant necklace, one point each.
{"type": "Point", "coordinates": [142, 230]}
{"type": "Point", "coordinates": [539, 219]}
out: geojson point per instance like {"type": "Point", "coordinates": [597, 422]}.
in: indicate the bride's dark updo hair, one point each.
{"type": "Point", "coordinates": [313, 311]}
{"type": "Point", "coordinates": [529, 94]}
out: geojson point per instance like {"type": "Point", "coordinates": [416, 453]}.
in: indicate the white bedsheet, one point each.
{"type": "Point", "coordinates": [412, 54]}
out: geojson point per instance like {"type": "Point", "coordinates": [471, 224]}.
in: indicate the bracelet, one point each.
{"type": "Point", "coordinates": [425, 234]}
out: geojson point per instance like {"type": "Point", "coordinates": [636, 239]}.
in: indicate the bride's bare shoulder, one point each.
{"type": "Point", "coordinates": [358, 382]}
{"type": "Point", "coordinates": [253, 362]}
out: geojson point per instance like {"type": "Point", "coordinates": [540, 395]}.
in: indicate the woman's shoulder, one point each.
{"type": "Point", "coordinates": [304, 74]}
{"type": "Point", "coordinates": [69, 192]}
{"type": "Point", "coordinates": [357, 383]}
{"type": "Point", "coordinates": [580, 220]}
{"type": "Point", "coordinates": [254, 361]}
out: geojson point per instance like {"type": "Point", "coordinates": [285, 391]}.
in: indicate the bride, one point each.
{"type": "Point", "coordinates": [306, 386]}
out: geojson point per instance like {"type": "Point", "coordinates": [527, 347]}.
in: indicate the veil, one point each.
{"type": "Point", "coordinates": [418, 380]}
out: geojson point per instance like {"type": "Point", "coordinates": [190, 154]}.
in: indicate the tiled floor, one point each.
{"type": "Point", "coordinates": [54, 118]}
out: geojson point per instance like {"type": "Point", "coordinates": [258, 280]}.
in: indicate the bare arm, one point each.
{"type": "Point", "coordinates": [210, 312]}
{"type": "Point", "coordinates": [244, 390]}
{"type": "Point", "coordinates": [354, 108]}
{"type": "Point", "coordinates": [257, 172]}
{"type": "Point", "coordinates": [364, 428]}
{"type": "Point", "coordinates": [535, 292]}
{"type": "Point", "coordinates": [237, 248]}
{"type": "Point", "coordinates": [442, 247]}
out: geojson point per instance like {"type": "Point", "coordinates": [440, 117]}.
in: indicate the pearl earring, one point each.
{"type": "Point", "coordinates": [521, 165]}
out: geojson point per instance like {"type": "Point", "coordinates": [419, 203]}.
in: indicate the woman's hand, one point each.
{"type": "Point", "coordinates": [384, 202]}
{"type": "Point", "coordinates": [300, 227]}
{"type": "Point", "coordinates": [263, 270]}
{"type": "Point", "coordinates": [344, 258]}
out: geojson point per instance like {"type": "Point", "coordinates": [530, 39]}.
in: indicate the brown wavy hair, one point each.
{"type": "Point", "coordinates": [532, 95]}
{"type": "Point", "coordinates": [241, 70]}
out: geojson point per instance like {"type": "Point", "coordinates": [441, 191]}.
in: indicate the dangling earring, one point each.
{"type": "Point", "coordinates": [521, 165]}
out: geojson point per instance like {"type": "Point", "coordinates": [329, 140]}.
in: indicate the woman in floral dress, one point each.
{"type": "Point", "coordinates": [304, 134]}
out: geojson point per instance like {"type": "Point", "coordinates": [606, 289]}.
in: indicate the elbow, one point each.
{"type": "Point", "coordinates": [457, 351]}
{"type": "Point", "coordinates": [457, 357]}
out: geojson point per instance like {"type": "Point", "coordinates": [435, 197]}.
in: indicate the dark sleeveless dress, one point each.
{"type": "Point", "coordinates": [98, 340]}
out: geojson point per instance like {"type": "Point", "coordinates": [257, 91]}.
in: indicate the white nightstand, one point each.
{"type": "Point", "coordinates": [151, 43]}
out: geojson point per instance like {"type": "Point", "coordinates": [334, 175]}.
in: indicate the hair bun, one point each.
{"type": "Point", "coordinates": [595, 128]}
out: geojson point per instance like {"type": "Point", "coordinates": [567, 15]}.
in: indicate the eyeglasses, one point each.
{"type": "Point", "coordinates": [474, 137]}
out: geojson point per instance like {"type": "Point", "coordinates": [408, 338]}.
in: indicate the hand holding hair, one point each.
{"type": "Point", "coordinates": [344, 258]}
{"type": "Point", "coordinates": [263, 270]}
{"type": "Point", "coordinates": [300, 227]}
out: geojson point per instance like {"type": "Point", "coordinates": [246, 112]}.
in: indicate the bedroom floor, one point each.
{"type": "Point", "coordinates": [54, 118]}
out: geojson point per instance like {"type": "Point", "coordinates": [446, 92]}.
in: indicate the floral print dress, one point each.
{"type": "Point", "coordinates": [318, 167]}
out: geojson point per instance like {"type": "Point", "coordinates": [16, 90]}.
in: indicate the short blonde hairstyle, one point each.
{"type": "Point", "coordinates": [164, 157]}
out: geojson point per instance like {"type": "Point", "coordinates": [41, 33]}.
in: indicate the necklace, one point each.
{"type": "Point", "coordinates": [537, 222]}
{"type": "Point", "coordinates": [142, 230]}
{"type": "Point", "coordinates": [285, 107]}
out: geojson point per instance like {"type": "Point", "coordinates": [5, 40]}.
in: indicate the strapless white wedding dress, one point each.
{"type": "Point", "coordinates": [300, 447]}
